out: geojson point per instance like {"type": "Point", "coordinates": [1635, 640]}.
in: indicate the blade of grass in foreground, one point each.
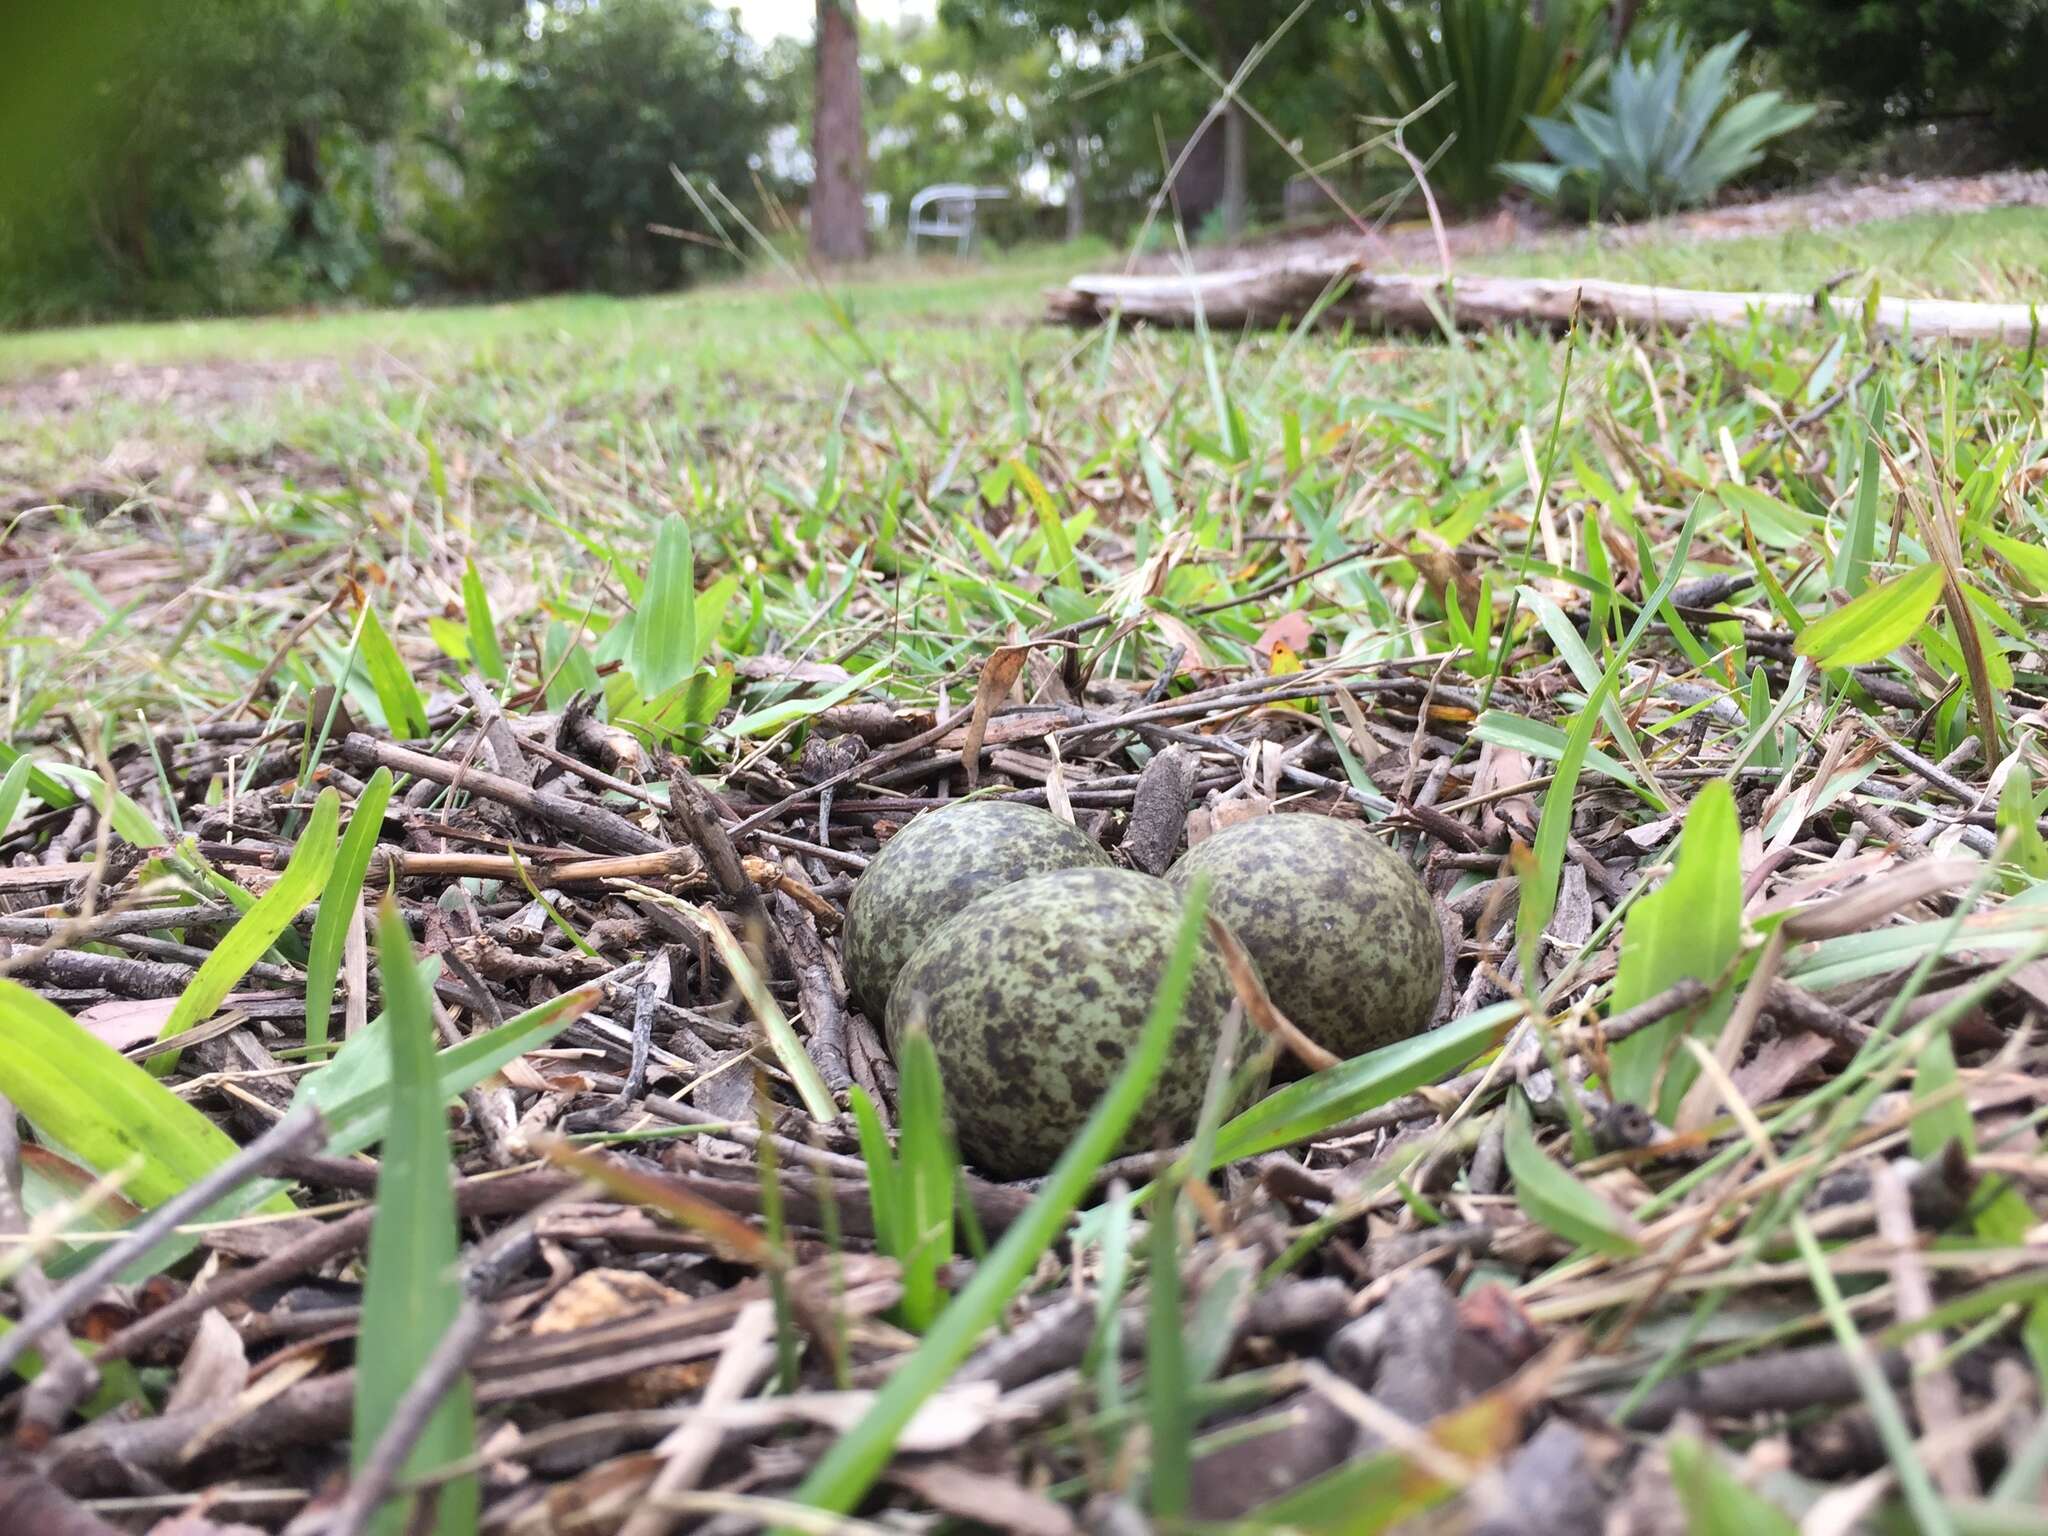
{"type": "Point", "coordinates": [847, 1471]}
{"type": "Point", "coordinates": [338, 903]}
{"type": "Point", "coordinates": [1311, 1106]}
{"type": "Point", "coordinates": [257, 929]}
{"type": "Point", "coordinates": [412, 1294]}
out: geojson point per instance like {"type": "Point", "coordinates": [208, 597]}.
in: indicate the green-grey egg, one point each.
{"type": "Point", "coordinates": [928, 872]}
{"type": "Point", "coordinates": [1034, 998]}
{"type": "Point", "coordinates": [1340, 930]}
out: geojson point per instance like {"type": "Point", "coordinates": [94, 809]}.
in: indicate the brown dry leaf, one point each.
{"type": "Point", "coordinates": [596, 1503]}
{"type": "Point", "coordinates": [126, 1022]}
{"type": "Point", "coordinates": [603, 1296]}
{"type": "Point", "coordinates": [1441, 568]}
{"type": "Point", "coordinates": [215, 1369]}
{"type": "Point", "coordinates": [998, 676]}
{"type": "Point", "coordinates": [1193, 658]}
{"type": "Point", "coordinates": [611, 1295]}
{"type": "Point", "coordinates": [1499, 768]}
{"type": "Point", "coordinates": [1234, 808]}
{"type": "Point", "coordinates": [1778, 1064]}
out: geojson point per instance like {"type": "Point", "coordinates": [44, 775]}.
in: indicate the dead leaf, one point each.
{"type": "Point", "coordinates": [998, 676]}
{"type": "Point", "coordinates": [1778, 1064]}
{"type": "Point", "coordinates": [612, 1295]}
{"type": "Point", "coordinates": [1193, 657]}
{"type": "Point", "coordinates": [215, 1370]}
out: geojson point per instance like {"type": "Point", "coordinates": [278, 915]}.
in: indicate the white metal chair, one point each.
{"type": "Point", "coordinates": [946, 212]}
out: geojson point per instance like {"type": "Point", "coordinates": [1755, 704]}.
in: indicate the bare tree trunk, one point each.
{"type": "Point", "coordinates": [1077, 175]}
{"type": "Point", "coordinates": [302, 175]}
{"type": "Point", "coordinates": [839, 226]}
{"type": "Point", "coordinates": [1235, 195]}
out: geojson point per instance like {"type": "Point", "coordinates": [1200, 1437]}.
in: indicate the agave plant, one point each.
{"type": "Point", "coordinates": [1468, 75]}
{"type": "Point", "coordinates": [1667, 138]}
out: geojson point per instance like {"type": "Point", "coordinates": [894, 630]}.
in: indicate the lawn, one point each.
{"type": "Point", "coordinates": [1695, 676]}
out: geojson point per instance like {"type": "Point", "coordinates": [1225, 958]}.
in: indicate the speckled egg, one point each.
{"type": "Point", "coordinates": [1033, 998]}
{"type": "Point", "coordinates": [1342, 933]}
{"type": "Point", "coordinates": [927, 873]}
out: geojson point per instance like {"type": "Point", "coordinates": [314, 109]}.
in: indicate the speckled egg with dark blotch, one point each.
{"type": "Point", "coordinates": [928, 873]}
{"type": "Point", "coordinates": [1341, 931]}
{"type": "Point", "coordinates": [1034, 997]}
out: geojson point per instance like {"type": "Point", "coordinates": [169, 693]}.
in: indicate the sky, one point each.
{"type": "Point", "coordinates": [770, 19]}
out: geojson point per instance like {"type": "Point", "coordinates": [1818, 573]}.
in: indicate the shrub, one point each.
{"type": "Point", "coordinates": [1888, 63]}
{"type": "Point", "coordinates": [571, 133]}
{"type": "Point", "coordinates": [1668, 137]}
{"type": "Point", "coordinates": [1500, 65]}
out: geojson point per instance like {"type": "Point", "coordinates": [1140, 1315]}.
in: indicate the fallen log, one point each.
{"type": "Point", "coordinates": [1339, 291]}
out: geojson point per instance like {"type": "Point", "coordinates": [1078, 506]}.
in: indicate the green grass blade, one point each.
{"type": "Point", "coordinates": [850, 1467]}
{"type": "Point", "coordinates": [1555, 1197]}
{"type": "Point", "coordinates": [338, 902]}
{"type": "Point", "coordinates": [257, 929]}
{"type": "Point", "coordinates": [412, 1291]}
{"type": "Point", "coordinates": [1715, 1501]}
{"type": "Point", "coordinates": [930, 1177]}
{"type": "Point", "coordinates": [664, 640]}
{"type": "Point", "coordinates": [130, 821]}
{"type": "Point", "coordinates": [1690, 926]}
{"type": "Point", "coordinates": [1539, 884]}
{"type": "Point", "coordinates": [1315, 1103]}
{"type": "Point", "coordinates": [1871, 627]}
{"type": "Point", "coordinates": [12, 787]}
{"type": "Point", "coordinates": [405, 712]}
{"type": "Point", "coordinates": [484, 651]}
{"type": "Point", "coordinates": [100, 1108]}
{"type": "Point", "coordinates": [1166, 1364]}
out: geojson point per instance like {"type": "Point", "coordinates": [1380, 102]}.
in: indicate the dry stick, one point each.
{"type": "Point", "coordinates": [106, 925]}
{"type": "Point", "coordinates": [485, 1196]}
{"type": "Point", "coordinates": [404, 864]}
{"type": "Point", "coordinates": [593, 823]}
{"type": "Point", "coordinates": [288, 1134]}
{"type": "Point", "coordinates": [748, 1356]}
{"type": "Point", "coordinates": [1932, 1385]}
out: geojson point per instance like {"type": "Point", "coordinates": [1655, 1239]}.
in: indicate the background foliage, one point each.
{"type": "Point", "coordinates": [235, 155]}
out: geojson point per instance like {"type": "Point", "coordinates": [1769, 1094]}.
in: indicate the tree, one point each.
{"type": "Point", "coordinates": [138, 113]}
{"type": "Point", "coordinates": [571, 132]}
{"type": "Point", "coordinates": [839, 225]}
{"type": "Point", "coordinates": [1103, 41]}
